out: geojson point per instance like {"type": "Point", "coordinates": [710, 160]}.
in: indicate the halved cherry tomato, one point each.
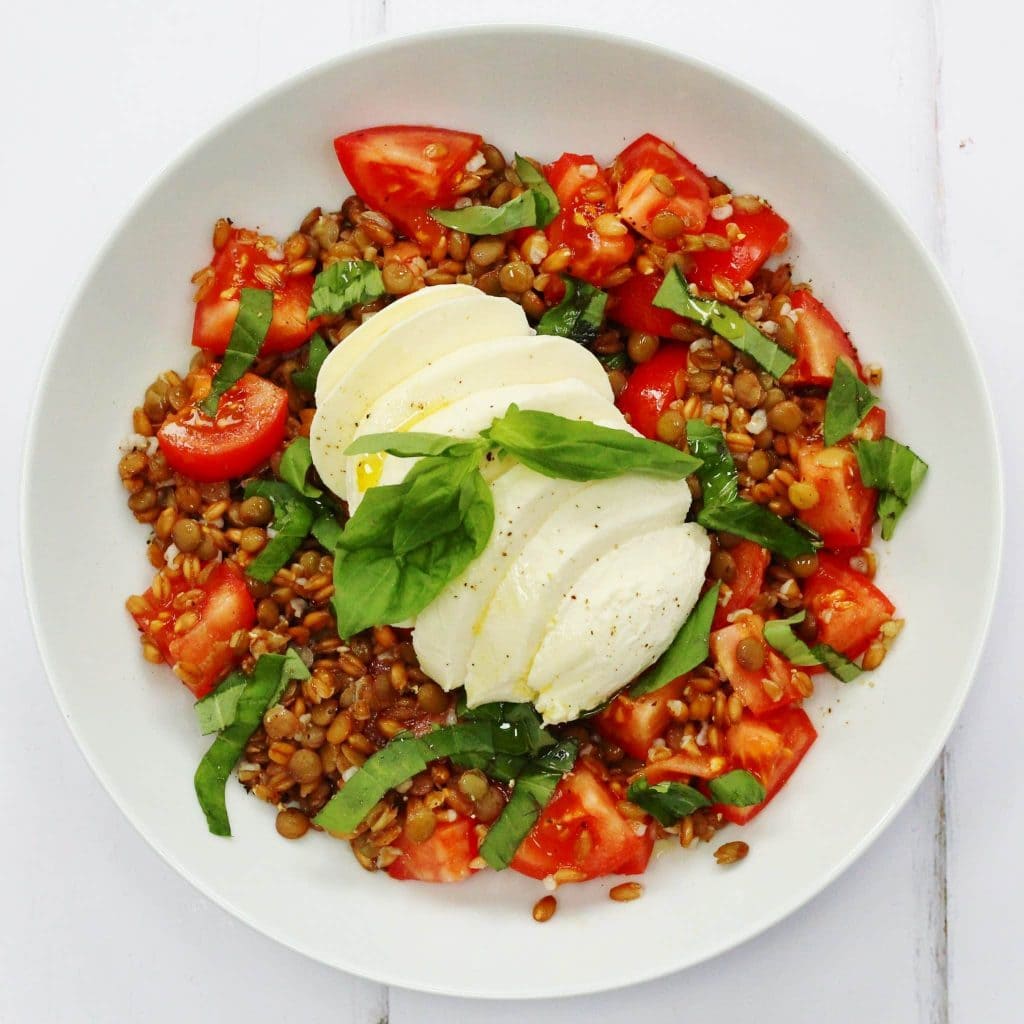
{"type": "Point", "coordinates": [848, 607]}
{"type": "Point", "coordinates": [447, 856]}
{"type": "Point", "coordinates": [581, 830]}
{"type": "Point", "coordinates": [846, 508]}
{"type": "Point", "coordinates": [685, 765]}
{"type": "Point", "coordinates": [762, 231]}
{"type": "Point", "coordinates": [750, 683]}
{"type": "Point", "coordinates": [403, 171]}
{"type": "Point", "coordinates": [630, 304]}
{"type": "Point", "coordinates": [244, 263]}
{"type": "Point", "coordinates": [587, 222]}
{"type": "Point", "coordinates": [820, 341]}
{"type": "Point", "coordinates": [248, 429]}
{"type": "Point", "coordinates": [771, 747]}
{"type": "Point", "coordinates": [635, 723]}
{"type": "Point", "coordinates": [651, 389]}
{"type": "Point", "coordinates": [201, 655]}
{"type": "Point", "coordinates": [750, 560]}
{"type": "Point", "coordinates": [683, 191]}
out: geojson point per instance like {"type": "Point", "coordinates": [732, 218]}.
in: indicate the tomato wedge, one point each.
{"type": "Point", "coordinates": [249, 428]}
{"type": "Point", "coordinates": [582, 833]}
{"type": "Point", "coordinates": [651, 388]}
{"type": "Point", "coordinates": [244, 263]}
{"type": "Point", "coordinates": [201, 655]}
{"type": "Point", "coordinates": [764, 689]}
{"type": "Point", "coordinates": [634, 724]}
{"type": "Point", "coordinates": [820, 341]}
{"type": "Point", "coordinates": [587, 223]}
{"type": "Point", "coordinates": [849, 608]}
{"type": "Point", "coordinates": [643, 166]}
{"type": "Point", "coordinates": [447, 856]}
{"type": "Point", "coordinates": [631, 304]}
{"type": "Point", "coordinates": [761, 232]}
{"type": "Point", "coordinates": [751, 561]}
{"type": "Point", "coordinates": [685, 765]}
{"type": "Point", "coordinates": [846, 508]}
{"type": "Point", "coordinates": [403, 171]}
{"type": "Point", "coordinates": [771, 747]}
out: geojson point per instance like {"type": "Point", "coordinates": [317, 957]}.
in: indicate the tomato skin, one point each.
{"type": "Point", "coordinates": [203, 652]}
{"type": "Point", "coordinates": [845, 509]}
{"type": "Point", "coordinates": [651, 389]}
{"type": "Point", "coordinates": [635, 723]}
{"type": "Point", "coordinates": [640, 200]}
{"type": "Point", "coordinates": [388, 169]}
{"type": "Point", "coordinates": [849, 608]}
{"type": "Point", "coordinates": [446, 856]}
{"type": "Point", "coordinates": [581, 830]}
{"type": "Point", "coordinates": [234, 268]}
{"type": "Point", "coordinates": [762, 232]}
{"type": "Point", "coordinates": [771, 747]}
{"type": "Point", "coordinates": [249, 428]}
{"type": "Point", "coordinates": [630, 304]}
{"type": "Point", "coordinates": [685, 765]}
{"type": "Point", "coordinates": [748, 683]}
{"type": "Point", "coordinates": [751, 561]}
{"type": "Point", "coordinates": [583, 198]}
{"type": "Point", "coordinates": [820, 341]}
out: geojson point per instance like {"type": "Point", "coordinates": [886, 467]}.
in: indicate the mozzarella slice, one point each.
{"type": "Point", "coordinates": [581, 529]}
{"type": "Point", "coordinates": [618, 617]}
{"type": "Point", "coordinates": [409, 345]}
{"type": "Point", "coordinates": [468, 416]}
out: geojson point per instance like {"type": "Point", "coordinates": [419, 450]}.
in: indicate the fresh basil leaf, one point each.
{"type": "Point", "coordinates": [255, 310]}
{"type": "Point", "coordinates": [737, 788]}
{"type": "Point", "coordinates": [373, 523]}
{"type": "Point", "coordinates": [897, 473]}
{"type": "Point", "coordinates": [717, 474]}
{"type": "Point", "coordinates": [533, 790]}
{"type": "Point", "coordinates": [520, 212]}
{"type": "Point", "coordinates": [674, 294]}
{"type": "Point", "coordinates": [295, 465]}
{"type": "Point", "coordinates": [848, 402]}
{"type": "Point", "coordinates": [580, 314]}
{"type": "Point", "coordinates": [318, 352]}
{"type": "Point", "coordinates": [261, 690]}
{"type": "Point", "coordinates": [216, 711]}
{"type": "Point", "coordinates": [293, 519]}
{"type": "Point", "coordinates": [343, 285]}
{"type": "Point", "coordinates": [779, 634]}
{"type": "Point", "coordinates": [518, 727]}
{"type": "Point", "coordinates": [756, 523]}
{"type": "Point", "coordinates": [544, 196]}
{"type": "Point", "coordinates": [411, 444]}
{"type": "Point", "coordinates": [688, 650]}
{"type": "Point", "coordinates": [573, 450]}
{"type": "Point", "coordinates": [392, 765]}
{"type": "Point", "coordinates": [669, 802]}
{"type": "Point", "coordinates": [327, 529]}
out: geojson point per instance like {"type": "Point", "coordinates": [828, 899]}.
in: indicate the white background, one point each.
{"type": "Point", "coordinates": [99, 96]}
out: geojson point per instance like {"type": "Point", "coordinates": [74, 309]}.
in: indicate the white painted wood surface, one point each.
{"type": "Point", "coordinates": [98, 98]}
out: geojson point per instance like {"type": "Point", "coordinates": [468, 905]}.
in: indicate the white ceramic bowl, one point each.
{"type": "Point", "coordinates": [266, 167]}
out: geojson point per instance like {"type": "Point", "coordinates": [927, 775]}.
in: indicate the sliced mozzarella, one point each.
{"type": "Point", "coordinates": [584, 527]}
{"type": "Point", "coordinates": [364, 337]}
{"type": "Point", "coordinates": [468, 416]}
{"type": "Point", "coordinates": [446, 628]}
{"type": "Point", "coordinates": [409, 345]}
{"type": "Point", "coordinates": [617, 618]}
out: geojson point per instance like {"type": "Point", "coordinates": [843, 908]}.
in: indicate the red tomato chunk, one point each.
{"type": "Point", "coordinates": [651, 388]}
{"type": "Point", "coordinates": [447, 856]}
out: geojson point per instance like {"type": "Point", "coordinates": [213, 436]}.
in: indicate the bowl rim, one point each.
{"type": "Point", "coordinates": [899, 797]}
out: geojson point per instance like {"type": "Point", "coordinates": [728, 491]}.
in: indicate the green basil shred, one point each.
{"type": "Point", "coordinates": [897, 473]}
{"type": "Point", "coordinates": [848, 402]}
{"type": "Point", "coordinates": [669, 802]}
{"type": "Point", "coordinates": [295, 466]}
{"type": "Point", "coordinates": [717, 474]}
{"type": "Point", "coordinates": [778, 633]}
{"type": "Point", "coordinates": [580, 314]}
{"type": "Point", "coordinates": [293, 519]}
{"type": "Point", "coordinates": [343, 285]}
{"type": "Point", "coordinates": [306, 377]}
{"type": "Point", "coordinates": [755, 522]}
{"type": "Point", "coordinates": [737, 788]}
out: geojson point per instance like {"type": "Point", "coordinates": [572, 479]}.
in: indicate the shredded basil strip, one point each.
{"type": "Point", "coordinates": [343, 285]}
{"type": "Point", "coordinates": [413, 444]}
{"type": "Point", "coordinates": [613, 360]}
{"type": "Point", "coordinates": [260, 691]}
{"type": "Point", "coordinates": [580, 314]}
{"type": "Point", "coordinates": [848, 402]}
{"type": "Point", "coordinates": [533, 790]}
{"type": "Point", "coordinates": [779, 634]}
{"type": "Point", "coordinates": [896, 472]}
{"type": "Point", "coordinates": [688, 650]}
{"type": "Point", "coordinates": [255, 311]}
{"type": "Point", "coordinates": [669, 802]}
{"type": "Point", "coordinates": [295, 465]}
{"type": "Point", "coordinates": [674, 294]}
{"type": "Point", "coordinates": [544, 196]}
{"type": "Point", "coordinates": [737, 788]}
{"type": "Point", "coordinates": [717, 474]}
{"type": "Point", "coordinates": [318, 352]}
{"type": "Point", "coordinates": [293, 519]}
{"type": "Point", "coordinates": [756, 523]}
{"type": "Point", "coordinates": [573, 450]}
{"type": "Point", "coordinates": [216, 711]}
